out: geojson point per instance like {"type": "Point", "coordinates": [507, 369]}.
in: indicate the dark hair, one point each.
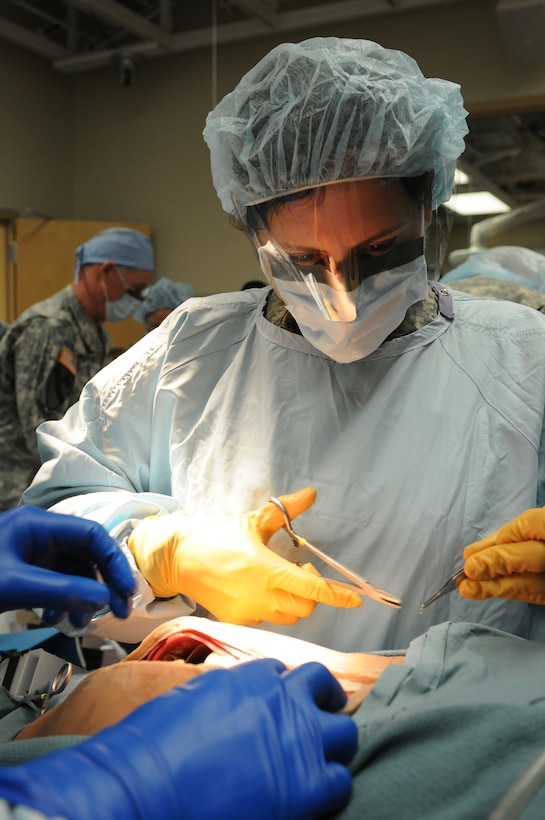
{"type": "Point", "coordinates": [253, 283]}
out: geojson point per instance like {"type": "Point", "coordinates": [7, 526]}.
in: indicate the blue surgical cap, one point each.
{"type": "Point", "coordinates": [124, 246]}
{"type": "Point", "coordinates": [330, 109]}
{"type": "Point", "coordinates": [163, 294]}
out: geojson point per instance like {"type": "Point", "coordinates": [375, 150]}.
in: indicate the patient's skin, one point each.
{"type": "Point", "coordinates": [107, 695]}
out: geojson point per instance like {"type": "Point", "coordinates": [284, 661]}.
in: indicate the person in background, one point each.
{"type": "Point", "coordinates": [415, 412]}
{"type": "Point", "coordinates": [56, 346]}
{"type": "Point", "coordinates": [159, 300]}
{"type": "Point", "coordinates": [291, 748]}
{"type": "Point", "coordinates": [507, 272]}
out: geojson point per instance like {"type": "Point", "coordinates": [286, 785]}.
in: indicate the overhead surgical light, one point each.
{"type": "Point", "coordinates": [460, 177]}
{"type": "Point", "coordinates": [476, 203]}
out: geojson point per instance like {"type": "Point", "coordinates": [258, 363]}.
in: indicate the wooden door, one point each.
{"type": "Point", "coordinates": [6, 284]}
{"type": "Point", "coordinates": [41, 256]}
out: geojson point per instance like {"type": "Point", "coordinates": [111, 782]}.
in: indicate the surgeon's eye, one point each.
{"type": "Point", "coordinates": [380, 249]}
{"type": "Point", "coordinates": [306, 260]}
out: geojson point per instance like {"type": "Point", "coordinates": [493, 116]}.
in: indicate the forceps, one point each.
{"type": "Point", "coordinates": [448, 586]}
{"type": "Point", "coordinates": [359, 584]}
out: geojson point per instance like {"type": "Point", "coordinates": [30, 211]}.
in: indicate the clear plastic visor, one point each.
{"type": "Point", "coordinates": [326, 242]}
{"type": "Point", "coordinates": [333, 288]}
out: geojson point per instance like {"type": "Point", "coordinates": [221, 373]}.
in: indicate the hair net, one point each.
{"type": "Point", "coordinates": [163, 294]}
{"type": "Point", "coordinates": [509, 263]}
{"type": "Point", "coordinates": [124, 246]}
{"type": "Point", "coordinates": [330, 109]}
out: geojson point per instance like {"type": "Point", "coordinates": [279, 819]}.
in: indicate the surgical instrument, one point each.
{"type": "Point", "coordinates": [448, 586]}
{"type": "Point", "coordinates": [359, 584]}
{"type": "Point", "coordinates": [57, 685]}
{"type": "Point", "coordinates": [39, 701]}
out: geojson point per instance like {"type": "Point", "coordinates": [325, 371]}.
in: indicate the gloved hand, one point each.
{"type": "Point", "coordinates": [233, 743]}
{"type": "Point", "coordinates": [221, 562]}
{"type": "Point", "coordinates": [508, 563]}
{"type": "Point", "coordinates": [45, 557]}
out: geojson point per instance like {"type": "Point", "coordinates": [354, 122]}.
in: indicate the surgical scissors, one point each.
{"type": "Point", "coordinates": [359, 584]}
{"type": "Point", "coordinates": [40, 701]}
{"type": "Point", "coordinates": [448, 586]}
{"type": "Point", "coordinates": [57, 685]}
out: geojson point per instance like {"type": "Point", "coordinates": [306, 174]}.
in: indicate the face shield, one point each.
{"type": "Point", "coordinates": [335, 289]}
{"type": "Point", "coordinates": [347, 259]}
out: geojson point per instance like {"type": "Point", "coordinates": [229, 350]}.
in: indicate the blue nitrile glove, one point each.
{"type": "Point", "coordinates": [48, 560]}
{"type": "Point", "coordinates": [236, 744]}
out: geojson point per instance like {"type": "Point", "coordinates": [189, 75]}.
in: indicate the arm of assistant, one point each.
{"type": "Point", "coordinates": [221, 746]}
{"type": "Point", "coordinates": [508, 563]}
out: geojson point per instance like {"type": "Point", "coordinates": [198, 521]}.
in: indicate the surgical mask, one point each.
{"type": "Point", "coordinates": [350, 322]}
{"type": "Point", "coordinates": [123, 307]}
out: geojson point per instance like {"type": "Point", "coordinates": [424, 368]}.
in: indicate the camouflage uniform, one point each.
{"type": "Point", "coordinates": [46, 356]}
{"type": "Point", "coordinates": [491, 288]}
{"type": "Point", "coordinates": [421, 313]}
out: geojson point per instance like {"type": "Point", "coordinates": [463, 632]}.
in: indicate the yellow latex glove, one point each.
{"type": "Point", "coordinates": [508, 563]}
{"type": "Point", "coordinates": [222, 562]}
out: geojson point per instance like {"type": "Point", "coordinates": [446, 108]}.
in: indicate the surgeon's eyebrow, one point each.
{"type": "Point", "coordinates": [382, 235]}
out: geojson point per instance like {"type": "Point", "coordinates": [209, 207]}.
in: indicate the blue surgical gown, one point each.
{"type": "Point", "coordinates": [426, 445]}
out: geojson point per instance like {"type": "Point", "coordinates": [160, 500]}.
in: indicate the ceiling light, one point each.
{"type": "Point", "coordinates": [477, 203]}
{"type": "Point", "coordinates": [460, 177]}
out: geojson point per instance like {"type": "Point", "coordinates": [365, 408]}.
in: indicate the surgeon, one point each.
{"type": "Point", "coordinates": [401, 420]}
{"type": "Point", "coordinates": [290, 749]}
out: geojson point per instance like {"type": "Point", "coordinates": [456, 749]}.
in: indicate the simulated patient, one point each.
{"type": "Point", "coordinates": [444, 729]}
{"type": "Point", "coordinates": [192, 646]}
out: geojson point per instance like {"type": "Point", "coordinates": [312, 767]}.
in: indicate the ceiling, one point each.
{"type": "Point", "coordinates": [505, 154]}
{"type": "Point", "coordinates": [76, 35]}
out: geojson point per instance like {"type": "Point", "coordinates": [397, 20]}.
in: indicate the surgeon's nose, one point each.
{"type": "Point", "coordinates": [343, 275]}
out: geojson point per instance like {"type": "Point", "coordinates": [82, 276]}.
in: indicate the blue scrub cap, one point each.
{"type": "Point", "coordinates": [162, 294]}
{"type": "Point", "coordinates": [124, 246]}
{"type": "Point", "coordinates": [329, 109]}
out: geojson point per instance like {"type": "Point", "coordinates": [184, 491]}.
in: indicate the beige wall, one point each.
{"type": "Point", "coordinates": [36, 135]}
{"type": "Point", "coordinates": [138, 152]}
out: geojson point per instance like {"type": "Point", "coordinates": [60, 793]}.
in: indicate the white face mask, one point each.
{"type": "Point", "coordinates": [121, 308]}
{"type": "Point", "coordinates": [348, 325]}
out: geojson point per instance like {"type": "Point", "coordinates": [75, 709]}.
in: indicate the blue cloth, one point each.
{"type": "Point", "coordinates": [428, 444]}
{"type": "Point", "coordinates": [29, 638]}
{"type": "Point", "coordinates": [447, 733]}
